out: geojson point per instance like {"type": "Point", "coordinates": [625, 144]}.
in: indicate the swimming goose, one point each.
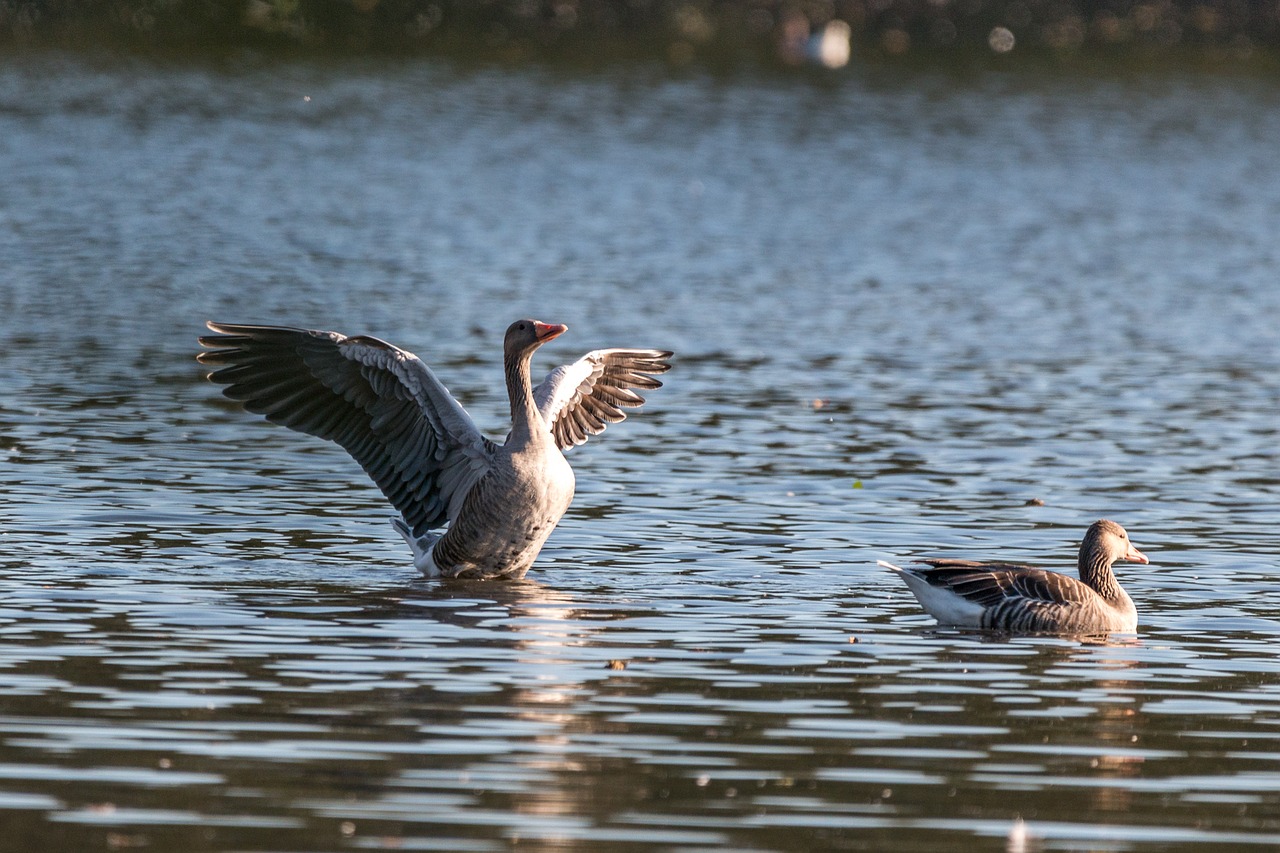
{"type": "Point", "coordinates": [390, 412]}
{"type": "Point", "coordinates": [1022, 599]}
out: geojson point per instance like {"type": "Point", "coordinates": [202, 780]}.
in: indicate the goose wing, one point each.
{"type": "Point", "coordinates": [379, 402]}
{"type": "Point", "coordinates": [992, 584]}
{"type": "Point", "coordinates": [579, 400]}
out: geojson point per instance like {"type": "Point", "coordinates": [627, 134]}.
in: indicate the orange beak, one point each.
{"type": "Point", "coordinates": [547, 331]}
{"type": "Point", "coordinates": [1133, 555]}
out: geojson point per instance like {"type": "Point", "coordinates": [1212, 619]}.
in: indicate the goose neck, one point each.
{"type": "Point", "coordinates": [524, 414]}
{"type": "Point", "coordinates": [1095, 572]}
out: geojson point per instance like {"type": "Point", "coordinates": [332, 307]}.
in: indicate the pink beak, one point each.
{"type": "Point", "coordinates": [547, 331]}
{"type": "Point", "coordinates": [1133, 555]}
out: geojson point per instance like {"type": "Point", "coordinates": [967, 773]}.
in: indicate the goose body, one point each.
{"type": "Point", "coordinates": [1023, 599]}
{"type": "Point", "coordinates": [496, 503]}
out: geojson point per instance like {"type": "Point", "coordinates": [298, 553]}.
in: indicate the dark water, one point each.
{"type": "Point", "coordinates": [904, 306]}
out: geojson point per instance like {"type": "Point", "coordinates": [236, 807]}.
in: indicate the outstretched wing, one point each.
{"type": "Point", "coordinates": [380, 403]}
{"type": "Point", "coordinates": [579, 400]}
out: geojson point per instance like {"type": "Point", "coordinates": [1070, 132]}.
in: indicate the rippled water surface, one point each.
{"type": "Point", "coordinates": [906, 307]}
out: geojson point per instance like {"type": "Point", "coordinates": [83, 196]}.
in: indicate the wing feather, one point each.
{"type": "Point", "coordinates": [990, 584]}
{"type": "Point", "coordinates": [579, 400]}
{"type": "Point", "coordinates": [382, 404]}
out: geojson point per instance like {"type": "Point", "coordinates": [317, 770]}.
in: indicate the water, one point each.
{"type": "Point", "coordinates": [904, 305]}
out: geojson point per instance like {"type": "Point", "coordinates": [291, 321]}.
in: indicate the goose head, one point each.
{"type": "Point", "coordinates": [525, 336]}
{"type": "Point", "coordinates": [1110, 541]}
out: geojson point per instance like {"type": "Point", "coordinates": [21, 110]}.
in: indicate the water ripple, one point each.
{"type": "Point", "coordinates": [921, 316]}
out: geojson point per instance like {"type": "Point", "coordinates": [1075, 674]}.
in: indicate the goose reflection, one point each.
{"type": "Point", "coordinates": [513, 742]}
{"type": "Point", "coordinates": [1080, 728]}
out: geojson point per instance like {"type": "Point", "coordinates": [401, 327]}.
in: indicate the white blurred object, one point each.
{"type": "Point", "coordinates": [830, 46]}
{"type": "Point", "coordinates": [1001, 40]}
{"type": "Point", "coordinates": [1020, 838]}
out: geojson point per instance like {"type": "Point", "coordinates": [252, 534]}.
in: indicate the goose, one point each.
{"type": "Point", "coordinates": [497, 503]}
{"type": "Point", "coordinates": [1024, 600]}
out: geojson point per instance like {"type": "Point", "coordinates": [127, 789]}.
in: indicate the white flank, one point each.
{"type": "Point", "coordinates": [939, 602]}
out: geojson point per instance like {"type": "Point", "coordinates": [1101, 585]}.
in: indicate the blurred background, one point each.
{"type": "Point", "coordinates": [771, 32]}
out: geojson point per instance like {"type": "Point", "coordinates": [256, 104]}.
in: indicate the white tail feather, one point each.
{"type": "Point", "coordinates": [421, 548]}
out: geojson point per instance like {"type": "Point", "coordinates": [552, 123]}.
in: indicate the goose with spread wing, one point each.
{"type": "Point", "coordinates": [1026, 600]}
{"type": "Point", "coordinates": [497, 503]}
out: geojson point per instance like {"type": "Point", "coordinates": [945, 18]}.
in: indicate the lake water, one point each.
{"type": "Point", "coordinates": [905, 305]}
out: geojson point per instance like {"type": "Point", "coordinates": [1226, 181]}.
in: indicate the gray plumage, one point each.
{"type": "Point", "coordinates": [1023, 599]}
{"type": "Point", "coordinates": [390, 412]}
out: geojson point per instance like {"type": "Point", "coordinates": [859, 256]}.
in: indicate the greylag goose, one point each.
{"type": "Point", "coordinates": [1022, 599]}
{"type": "Point", "coordinates": [390, 412]}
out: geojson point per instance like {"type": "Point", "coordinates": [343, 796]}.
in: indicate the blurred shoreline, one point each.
{"type": "Point", "coordinates": [822, 33]}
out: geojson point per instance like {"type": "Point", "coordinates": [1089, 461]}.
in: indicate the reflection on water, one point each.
{"type": "Point", "coordinates": [902, 309]}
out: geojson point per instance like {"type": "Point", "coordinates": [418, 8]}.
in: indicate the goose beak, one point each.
{"type": "Point", "coordinates": [547, 331]}
{"type": "Point", "coordinates": [1133, 555]}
